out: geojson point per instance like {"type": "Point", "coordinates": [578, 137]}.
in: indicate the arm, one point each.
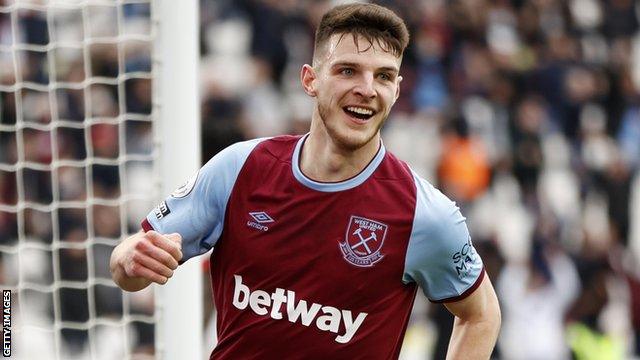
{"type": "Point", "coordinates": [476, 325]}
{"type": "Point", "coordinates": [195, 211]}
{"type": "Point", "coordinates": [144, 258]}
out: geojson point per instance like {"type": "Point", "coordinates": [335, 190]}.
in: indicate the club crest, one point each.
{"type": "Point", "coordinates": [363, 241]}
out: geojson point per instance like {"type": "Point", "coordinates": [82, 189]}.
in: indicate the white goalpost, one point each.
{"type": "Point", "coordinates": [99, 120]}
{"type": "Point", "coordinates": [181, 322]}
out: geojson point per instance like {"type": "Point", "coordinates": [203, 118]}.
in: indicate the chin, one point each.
{"type": "Point", "coordinates": [352, 139]}
{"type": "Point", "coordinates": [346, 136]}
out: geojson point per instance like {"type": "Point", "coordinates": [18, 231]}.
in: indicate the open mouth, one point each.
{"type": "Point", "coordinates": [359, 112]}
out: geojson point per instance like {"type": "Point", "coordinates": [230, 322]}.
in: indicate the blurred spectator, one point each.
{"type": "Point", "coordinates": [222, 122]}
{"type": "Point", "coordinates": [530, 121]}
{"type": "Point", "coordinates": [534, 298]}
{"type": "Point", "coordinates": [588, 338]}
{"type": "Point", "coordinates": [464, 168]}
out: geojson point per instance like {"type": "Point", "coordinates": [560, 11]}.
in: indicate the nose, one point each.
{"type": "Point", "coordinates": [365, 87]}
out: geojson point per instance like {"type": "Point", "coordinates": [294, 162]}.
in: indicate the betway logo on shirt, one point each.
{"type": "Point", "coordinates": [327, 318]}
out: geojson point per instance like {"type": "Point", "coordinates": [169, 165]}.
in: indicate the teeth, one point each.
{"type": "Point", "coordinates": [360, 110]}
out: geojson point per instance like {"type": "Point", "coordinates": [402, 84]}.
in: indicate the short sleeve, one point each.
{"type": "Point", "coordinates": [196, 209]}
{"type": "Point", "coordinates": [440, 256]}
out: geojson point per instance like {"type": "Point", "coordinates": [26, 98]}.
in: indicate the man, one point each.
{"type": "Point", "coordinates": [321, 241]}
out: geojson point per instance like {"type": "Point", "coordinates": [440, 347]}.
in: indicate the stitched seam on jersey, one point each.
{"type": "Point", "coordinates": [287, 158]}
{"type": "Point", "coordinates": [341, 181]}
{"type": "Point", "coordinates": [413, 225]}
{"type": "Point", "coordinates": [259, 141]}
{"type": "Point", "coordinates": [474, 286]}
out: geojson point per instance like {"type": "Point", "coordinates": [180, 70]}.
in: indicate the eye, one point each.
{"type": "Point", "coordinates": [347, 71]}
{"type": "Point", "coordinates": [384, 76]}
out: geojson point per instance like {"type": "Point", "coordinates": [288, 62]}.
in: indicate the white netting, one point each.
{"type": "Point", "coordinates": [76, 161]}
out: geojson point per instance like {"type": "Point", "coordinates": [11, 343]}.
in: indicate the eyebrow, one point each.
{"type": "Point", "coordinates": [392, 69]}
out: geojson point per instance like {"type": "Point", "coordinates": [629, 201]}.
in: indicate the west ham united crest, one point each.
{"type": "Point", "coordinates": [363, 241]}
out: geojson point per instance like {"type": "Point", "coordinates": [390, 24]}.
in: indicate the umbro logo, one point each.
{"type": "Point", "coordinates": [259, 218]}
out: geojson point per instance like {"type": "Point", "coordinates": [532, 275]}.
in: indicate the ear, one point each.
{"type": "Point", "coordinates": [307, 78]}
{"type": "Point", "coordinates": [398, 88]}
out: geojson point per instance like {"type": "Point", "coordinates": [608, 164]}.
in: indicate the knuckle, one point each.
{"type": "Point", "coordinates": [174, 246]}
{"type": "Point", "coordinates": [138, 259]}
{"type": "Point", "coordinates": [147, 250]}
{"type": "Point", "coordinates": [134, 269]}
{"type": "Point", "coordinates": [151, 237]}
{"type": "Point", "coordinates": [141, 245]}
{"type": "Point", "coordinates": [146, 237]}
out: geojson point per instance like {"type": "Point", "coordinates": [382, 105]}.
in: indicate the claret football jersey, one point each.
{"type": "Point", "coordinates": [303, 269]}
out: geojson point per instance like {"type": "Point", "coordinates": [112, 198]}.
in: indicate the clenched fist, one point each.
{"type": "Point", "coordinates": [144, 258]}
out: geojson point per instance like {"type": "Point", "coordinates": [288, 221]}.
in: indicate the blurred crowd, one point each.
{"type": "Point", "coordinates": [525, 112]}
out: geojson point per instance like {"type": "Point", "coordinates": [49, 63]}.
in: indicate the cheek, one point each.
{"type": "Point", "coordinates": [331, 95]}
{"type": "Point", "coordinates": [327, 98]}
{"type": "Point", "coordinates": [388, 96]}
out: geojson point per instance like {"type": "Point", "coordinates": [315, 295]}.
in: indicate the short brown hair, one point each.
{"type": "Point", "coordinates": [370, 21]}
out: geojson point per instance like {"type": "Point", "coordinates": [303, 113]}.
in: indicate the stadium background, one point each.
{"type": "Point", "coordinates": [526, 112]}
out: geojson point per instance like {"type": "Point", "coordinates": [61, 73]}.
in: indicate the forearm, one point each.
{"type": "Point", "coordinates": [477, 324]}
{"type": "Point", "coordinates": [473, 339]}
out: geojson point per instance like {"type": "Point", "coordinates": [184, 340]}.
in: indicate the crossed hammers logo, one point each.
{"type": "Point", "coordinates": [363, 240]}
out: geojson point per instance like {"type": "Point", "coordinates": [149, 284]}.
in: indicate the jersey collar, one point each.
{"type": "Point", "coordinates": [334, 186]}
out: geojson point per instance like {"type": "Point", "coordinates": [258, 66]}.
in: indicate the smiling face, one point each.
{"type": "Point", "coordinates": [355, 86]}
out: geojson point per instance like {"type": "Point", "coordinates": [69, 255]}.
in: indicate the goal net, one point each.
{"type": "Point", "coordinates": [80, 154]}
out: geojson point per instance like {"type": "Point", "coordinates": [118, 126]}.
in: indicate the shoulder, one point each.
{"type": "Point", "coordinates": [239, 149]}
{"type": "Point", "coordinates": [439, 228]}
{"type": "Point", "coordinates": [279, 147]}
{"type": "Point", "coordinates": [434, 203]}
{"type": "Point", "coordinates": [392, 168]}
{"type": "Point", "coordinates": [438, 219]}
{"type": "Point", "coordinates": [235, 155]}
{"type": "Point", "coordinates": [440, 256]}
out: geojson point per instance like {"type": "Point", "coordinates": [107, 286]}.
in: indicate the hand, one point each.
{"type": "Point", "coordinates": [144, 258]}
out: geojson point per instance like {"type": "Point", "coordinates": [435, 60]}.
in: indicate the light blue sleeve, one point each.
{"type": "Point", "coordinates": [196, 209]}
{"type": "Point", "coordinates": [440, 257]}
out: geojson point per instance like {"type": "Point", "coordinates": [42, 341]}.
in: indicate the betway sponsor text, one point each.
{"type": "Point", "coordinates": [327, 318]}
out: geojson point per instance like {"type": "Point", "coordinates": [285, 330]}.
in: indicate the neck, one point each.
{"type": "Point", "coordinates": [324, 159]}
